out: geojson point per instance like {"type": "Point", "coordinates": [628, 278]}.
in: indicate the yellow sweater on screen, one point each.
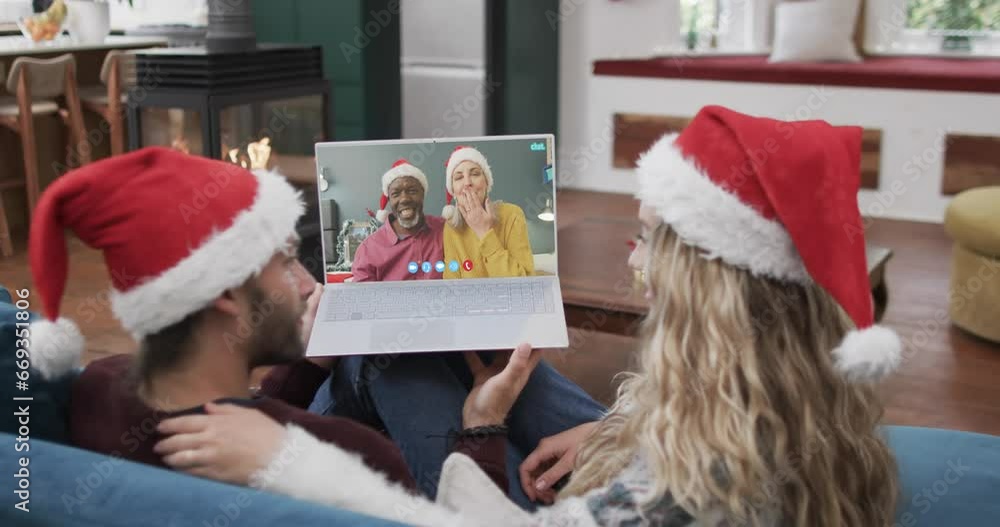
{"type": "Point", "coordinates": [504, 252]}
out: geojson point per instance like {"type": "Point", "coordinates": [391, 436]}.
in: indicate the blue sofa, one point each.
{"type": "Point", "coordinates": [948, 477]}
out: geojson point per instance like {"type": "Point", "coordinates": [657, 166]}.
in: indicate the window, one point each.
{"type": "Point", "coordinates": [970, 27]}
{"type": "Point", "coordinates": [976, 16]}
{"type": "Point", "coordinates": [699, 24]}
{"type": "Point", "coordinates": [726, 26]}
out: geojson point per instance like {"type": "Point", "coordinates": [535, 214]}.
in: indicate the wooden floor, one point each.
{"type": "Point", "coordinates": [948, 380]}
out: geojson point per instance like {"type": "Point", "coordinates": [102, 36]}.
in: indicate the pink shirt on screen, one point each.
{"type": "Point", "coordinates": [384, 256]}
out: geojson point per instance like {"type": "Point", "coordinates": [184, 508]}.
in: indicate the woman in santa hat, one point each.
{"type": "Point", "coordinates": [754, 403]}
{"type": "Point", "coordinates": [492, 236]}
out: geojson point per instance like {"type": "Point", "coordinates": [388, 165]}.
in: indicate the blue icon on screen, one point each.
{"type": "Point", "coordinates": [439, 266]}
{"type": "Point", "coordinates": [453, 266]}
{"type": "Point", "coordinates": [412, 268]}
{"type": "Point", "coordinates": [426, 267]}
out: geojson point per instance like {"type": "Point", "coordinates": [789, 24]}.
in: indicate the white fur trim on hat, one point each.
{"type": "Point", "coordinates": [467, 153]}
{"type": "Point", "coordinates": [708, 217]}
{"type": "Point", "coordinates": [447, 212]}
{"type": "Point", "coordinates": [381, 215]}
{"type": "Point", "coordinates": [869, 354]}
{"type": "Point", "coordinates": [224, 261]}
{"type": "Point", "coordinates": [55, 347]}
{"type": "Point", "coordinates": [403, 170]}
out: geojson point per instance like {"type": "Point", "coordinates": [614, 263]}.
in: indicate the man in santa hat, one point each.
{"type": "Point", "coordinates": [205, 276]}
{"type": "Point", "coordinates": [409, 243]}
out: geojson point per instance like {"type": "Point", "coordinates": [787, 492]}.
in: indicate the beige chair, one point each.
{"type": "Point", "coordinates": [973, 221]}
{"type": "Point", "coordinates": [108, 98]}
{"type": "Point", "coordinates": [37, 84]}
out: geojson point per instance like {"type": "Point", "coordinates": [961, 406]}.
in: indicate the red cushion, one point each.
{"type": "Point", "coordinates": [908, 73]}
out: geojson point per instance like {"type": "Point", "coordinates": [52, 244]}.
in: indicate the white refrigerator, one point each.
{"type": "Point", "coordinates": [443, 68]}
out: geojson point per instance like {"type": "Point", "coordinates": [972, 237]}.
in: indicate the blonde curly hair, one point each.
{"type": "Point", "coordinates": [739, 407]}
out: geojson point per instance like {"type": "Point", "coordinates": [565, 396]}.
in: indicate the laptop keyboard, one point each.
{"type": "Point", "coordinates": [452, 299]}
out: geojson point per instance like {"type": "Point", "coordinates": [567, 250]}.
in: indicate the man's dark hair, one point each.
{"type": "Point", "coordinates": [165, 349]}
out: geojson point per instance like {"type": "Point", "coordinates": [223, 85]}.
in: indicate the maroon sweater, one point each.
{"type": "Point", "coordinates": [107, 416]}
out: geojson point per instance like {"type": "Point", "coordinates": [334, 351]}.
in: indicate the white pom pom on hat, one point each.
{"type": "Point", "coordinates": [55, 348]}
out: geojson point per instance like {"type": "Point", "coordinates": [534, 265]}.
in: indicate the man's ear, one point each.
{"type": "Point", "coordinates": [229, 302]}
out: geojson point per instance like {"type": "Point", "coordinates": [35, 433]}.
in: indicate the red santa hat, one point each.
{"type": "Point", "coordinates": [401, 168]}
{"type": "Point", "coordinates": [176, 232]}
{"type": "Point", "coordinates": [460, 154]}
{"type": "Point", "coordinates": [779, 199]}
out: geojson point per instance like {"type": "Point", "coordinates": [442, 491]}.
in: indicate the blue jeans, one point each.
{"type": "Point", "coordinates": [70, 487]}
{"type": "Point", "coordinates": [418, 399]}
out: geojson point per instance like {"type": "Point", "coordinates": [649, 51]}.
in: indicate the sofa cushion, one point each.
{"type": "Point", "coordinates": [947, 477]}
{"type": "Point", "coordinates": [48, 408]}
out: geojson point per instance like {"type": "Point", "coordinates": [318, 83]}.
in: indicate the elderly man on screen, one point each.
{"type": "Point", "coordinates": [409, 243]}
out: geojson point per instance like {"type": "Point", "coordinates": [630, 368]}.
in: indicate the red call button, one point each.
{"type": "Point", "coordinates": [467, 265]}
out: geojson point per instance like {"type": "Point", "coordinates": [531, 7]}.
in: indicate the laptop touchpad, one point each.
{"type": "Point", "coordinates": [413, 334]}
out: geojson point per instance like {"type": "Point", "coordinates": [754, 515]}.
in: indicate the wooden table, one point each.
{"type": "Point", "coordinates": [600, 292]}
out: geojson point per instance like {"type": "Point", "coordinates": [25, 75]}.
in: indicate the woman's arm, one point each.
{"type": "Point", "coordinates": [307, 468]}
{"type": "Point", "coordinates": [507, 253]}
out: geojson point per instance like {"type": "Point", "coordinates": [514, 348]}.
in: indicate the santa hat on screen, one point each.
{"type": "Point", "coordinates": [401, 168]}
{"type": "Point", "coordinates": [460, 154]}
{"type": "Point", "coordinates": [176, 232]}
{"type": "Point", "coordinates": [779, 199]}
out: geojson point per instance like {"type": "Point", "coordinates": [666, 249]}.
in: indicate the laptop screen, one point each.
{"type": "Point", "coordinates": [430, 209]}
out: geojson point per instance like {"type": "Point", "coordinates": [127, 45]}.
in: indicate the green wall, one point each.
{"type": "Point", "coordinates": [360, 40]}
{"type": "Point", "coordinates": [525, 53]}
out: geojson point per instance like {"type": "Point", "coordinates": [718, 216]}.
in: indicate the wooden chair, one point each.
{"type": "Point", "coordinates": [108, 98]}
{"type": "Point", "coordinates": [37, 84]}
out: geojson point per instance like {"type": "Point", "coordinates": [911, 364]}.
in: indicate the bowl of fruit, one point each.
{"type": "Point", "coordinates": [45, 26]}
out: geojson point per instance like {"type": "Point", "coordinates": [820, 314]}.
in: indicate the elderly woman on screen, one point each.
{"type": "Point", "coordinates": [487, 239]}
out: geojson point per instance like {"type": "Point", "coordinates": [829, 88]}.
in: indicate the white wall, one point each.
{"type": "Point", "coordinates": [913, 123]}
{"type": "Point", "coordinates": [592, 29]}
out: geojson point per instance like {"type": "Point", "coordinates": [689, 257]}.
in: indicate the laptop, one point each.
{"type": "Point", "coordinates": [416, 282]}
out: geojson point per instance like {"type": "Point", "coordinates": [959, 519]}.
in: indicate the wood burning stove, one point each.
{"type": "Point", "coordinates": [264, 105]}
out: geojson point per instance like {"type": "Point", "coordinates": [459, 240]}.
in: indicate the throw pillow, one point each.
{"type": "Point", "coordinates": [815, 31]}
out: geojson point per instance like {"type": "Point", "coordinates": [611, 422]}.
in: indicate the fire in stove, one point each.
{"type": "Point", "coordinates": [257, 154]}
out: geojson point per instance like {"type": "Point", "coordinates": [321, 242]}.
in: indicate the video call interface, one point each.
{"type": "Point", "coordinates": [438, 209]}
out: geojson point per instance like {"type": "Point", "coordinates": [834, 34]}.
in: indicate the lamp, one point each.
{"type": "Point", "coordinates": [547, 214]}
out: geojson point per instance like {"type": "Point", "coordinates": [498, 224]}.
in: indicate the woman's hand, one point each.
{"type": "Point", "coordinates": [229, 444]}
{"type": "Point", "coordinates": [553, 459]}
{"type": "Point", "coordinates": [477, 213]}
{"type": "Point", "coordinates": [496, 387]}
